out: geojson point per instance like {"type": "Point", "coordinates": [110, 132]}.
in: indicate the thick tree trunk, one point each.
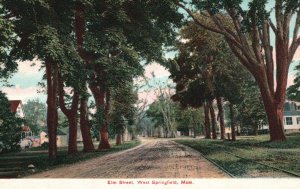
{"type": "Point", "coordinates": [52, 117]}
{"type": "Point", "coordinates": [232, 120]}
{"type": "Point", "coordinates": [70, 113]}
{"type": "Point", "coordinates": [104, 139]}
{"type": "Point", "coordinates": [72, 144]}
{"type": "Point", "coordinates": [207, 121]}
{"type": "Point", "coordinates": [275, 119]}
{"type": "Point", "coordinates": [221, 117]}
{"type": "Point", "coordinates": [85, 128]}
{"type": "Point", "coordinates": [213, 120]}
{"type": "Point", "coordinates": [274, 106]}
{"type": "Point", "coordinates": [80, 27]}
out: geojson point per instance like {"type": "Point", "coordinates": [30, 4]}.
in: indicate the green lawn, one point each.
{"type": "Point", "coordinates": [284, 155]}
{"type": "Point", "coordinates": [15, 164]}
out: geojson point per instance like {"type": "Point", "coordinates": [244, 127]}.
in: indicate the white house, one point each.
{"type": "Point", "coordinates": [291, 116]}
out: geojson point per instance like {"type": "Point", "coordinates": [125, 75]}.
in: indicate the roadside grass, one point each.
{"type": "Point", "coordinates": [284, 155]}
{"type": "Point", "coordinates": [13, 165]}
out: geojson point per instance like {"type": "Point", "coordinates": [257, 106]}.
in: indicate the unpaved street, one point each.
{"type": "Point", "coordinates": [155, 158]}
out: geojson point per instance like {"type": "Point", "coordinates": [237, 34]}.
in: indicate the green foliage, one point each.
{"type": "Point", "coordinates": [7, 41]}
{"type": "Point", "coordinates": [251, 113]}
{"type": "Point", "coordinates": [35, 112]}
{"type": "Point", "coordinates": [98, 120]}
{"type": "Point", "coordinates": [205, 68]}
{"type": "Point", "coordinates": [293, 92]}
{"type": "Point", "coordinates": [190, 118]}
{"type": "Point", "coordinates": [122, 113]}
{"type": "Point", "coordinates": [10, 126]}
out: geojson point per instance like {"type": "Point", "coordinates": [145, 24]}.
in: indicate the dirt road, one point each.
{"type": "Point", "coordinates": [155, 158]}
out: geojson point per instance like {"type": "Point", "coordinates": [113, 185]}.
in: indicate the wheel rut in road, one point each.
{"type": "Point", "coordinates": [155, 158]}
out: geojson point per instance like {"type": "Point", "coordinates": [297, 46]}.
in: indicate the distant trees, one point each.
{"type": "Point", "coordinates": [250, 111]}
{"type": "Point", "coordinates": [164, 113]}
{"type": "Point", "coordinates": [35, 112]}
{"type": "Point", "coordinates": [170, 117]}
{"type": "Point", "coordinates": [123, 110]}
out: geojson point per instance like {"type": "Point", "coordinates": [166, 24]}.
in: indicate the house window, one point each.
{"type": "Point", "coordinates": [298, 120]}
{"type": "Point", "coordinates": [288, 121]}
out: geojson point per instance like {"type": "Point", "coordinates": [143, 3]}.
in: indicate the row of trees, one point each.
{"type": "Point", "coordinates": [85, 45]}
{"type": "Point", "coordinates": [204, 71]}
{"type": "Point", "coordinates": [248, 33]}
{"type": "Point", "coordinates": [93, 45]}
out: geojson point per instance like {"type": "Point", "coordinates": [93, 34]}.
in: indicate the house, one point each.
{"type": "Point", "coordinates": [61, 138]}
{"type": "Point", "coordinates": [291, 117]}
{"type": "Point", "coordinates": [16, 107]}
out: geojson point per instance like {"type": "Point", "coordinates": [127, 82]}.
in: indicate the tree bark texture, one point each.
{"type": "Point", "coordinates": [85, 127]}
{"type": "Point", "coordinates": [71, 114]}
{"type": "Point", "coordinates": [207, 121]}
{"type": "Point", "coordinates": [221, 117]}
{"type": "Point", "coordinates": [52, 116]}
{"type": "Point", "coordinates": [213, 120]}
{"type": "Point", "coordinates": [104, 139]}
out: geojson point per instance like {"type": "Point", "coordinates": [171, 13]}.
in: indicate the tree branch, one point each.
{"type": "Point", "coordinates": [242, 58]}
{"type": "Point", "coordinates": [296, 39]}
{"type": "Point", "coordinates": [297, 26]}
{"type": "Point", "coordinates": [272, 26]}
{"type": "Point", "coordinates": [61, 95]}
{"type": "Point", "coordinates": [268, 54]}
{"type": "Point", "coordinates": [198, 22]}
{"type": "Point", "coordinates": [293, 48]}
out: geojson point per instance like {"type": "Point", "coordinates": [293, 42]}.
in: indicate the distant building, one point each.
{"type": "Point", "coordinates": [61, 138]}
{"type": "Point", "coordinates": [291, 116]}
{"type": "Point", "coordinates": [16, 107]}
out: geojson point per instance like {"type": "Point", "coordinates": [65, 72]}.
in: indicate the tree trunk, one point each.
{"type": "Point", "coordinates": [72, 144]}
{"type": "Point", "coordinates": [275, 119]}
{"type": "Point", "coordinates": [206, 121]}
{"type": "Point", "coordinates": [274, 106]}
{"type": "Point", "coordinates": [80, 27]}
{"type": "Point", "coordinates": [119, 139]}
{"type": "Point", "coordinates": [213, 120]}
{"type": "Point", "coordinates": [255, 130]}
{"type": "Point", "coordinates": [104, 139]}
{"type": "Point", "coordinates": [52, 116]}
{"type": "Point", "coordinates": [194, 125]}
{"type": "Point", "coordinates": [221, 117]}
{"type": "Point", "coordinates": [70, 113]}
{"type": "Point", "coordinates": [232, 119]}
{"type": "Point", "coordinates": [85, 128]}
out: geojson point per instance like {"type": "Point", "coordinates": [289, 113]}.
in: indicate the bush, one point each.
{"type": "Point", "coordinates": [10, 126]}
{"type": "Point", "coordinates": [45, 145]}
